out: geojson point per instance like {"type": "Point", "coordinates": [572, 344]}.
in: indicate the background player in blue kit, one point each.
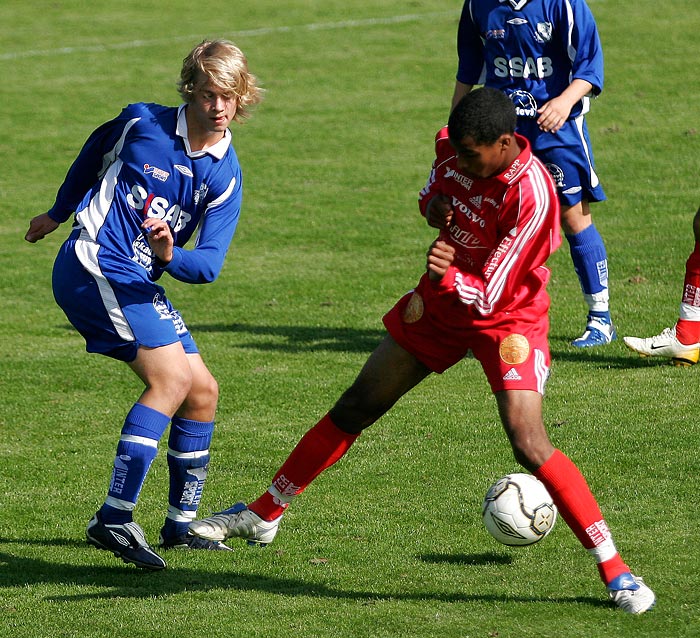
{"type": "Point", "coordinates": [546, 55]}
{"type": "Point", "coordinates": [141, 186]}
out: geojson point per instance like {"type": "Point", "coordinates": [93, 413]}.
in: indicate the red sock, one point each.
{"type": "Point", "coordinates": [688, 331]}
{"type": "Point", "coordinates": [318, 449]}
{"type": "Point", "coordinates": [579, 509]}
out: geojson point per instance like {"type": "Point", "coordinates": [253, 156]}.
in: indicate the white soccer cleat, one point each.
{"type": "Point", "coordinates": [236, 521]}
{"type": "Point", "coordinates": [630, 594]}
{"type": "Point", "coordinates": [665, 344]}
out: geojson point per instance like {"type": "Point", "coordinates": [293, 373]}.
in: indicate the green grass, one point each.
{"type": "Point", "coordinates": [389, 542]}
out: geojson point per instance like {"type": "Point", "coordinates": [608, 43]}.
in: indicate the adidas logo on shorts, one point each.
{"type": "Point", "coordinates": [512, 375]}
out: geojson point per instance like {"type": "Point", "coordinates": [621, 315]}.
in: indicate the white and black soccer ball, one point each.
{"type": "Point", "coordinates": [518, 510]}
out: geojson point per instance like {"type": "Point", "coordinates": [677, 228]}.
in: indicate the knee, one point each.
{"type": "Point", "coordinates": [524, 458]}
{"type": "Point", "coordinates": [531, 453]}
{"type": "Point", "coordinates": [177, 385]}
{"type": "Point", "coordinates": [209, 387]}
{"type": "Point", "coordinates": [204, 392]}
{"type": "Point", "coordinates": [530, 443]}
{"type": "Point", "coordinates": [355, 411]}
{"type": "Point", "coordinates": [575, 219]}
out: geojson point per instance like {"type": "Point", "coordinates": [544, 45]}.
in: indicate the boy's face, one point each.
{"type": "Point", "coordinates": [211, 110]}
{"type": "Point", "coordinates": [483, 160]}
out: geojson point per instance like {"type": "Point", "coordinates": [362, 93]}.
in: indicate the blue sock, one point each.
{"type": "Point", "coordinates": [188, 462]}
{"type": "Point", "coordinates": [137, 447]}
{"type": "Point", "coordinates": [591, 265]}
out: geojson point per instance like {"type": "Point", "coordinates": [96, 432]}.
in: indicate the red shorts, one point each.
{"type": "Point", "coordinates": [439, 330]}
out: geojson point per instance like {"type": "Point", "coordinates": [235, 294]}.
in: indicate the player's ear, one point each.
{"type": "Point", "coordinates": [505, 141]}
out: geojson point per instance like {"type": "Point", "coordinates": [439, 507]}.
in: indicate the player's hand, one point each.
{"type": "Point", "coordinates": [159, 237]}
{"type": "Point", "coordinates": [439, 212]}
{"type": "Point", "coordinates": [553, 114]}
{"type": "Point", "coordinates": [440, 258]}
{"type": "Point", "coordinates": [39, 227]}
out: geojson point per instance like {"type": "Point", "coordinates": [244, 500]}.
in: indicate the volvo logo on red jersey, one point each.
{"type": "Point", "coordinates": [468, 212]}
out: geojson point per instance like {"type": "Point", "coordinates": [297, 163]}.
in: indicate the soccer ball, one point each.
{"type": "Point", "coordinates": [518, 510]}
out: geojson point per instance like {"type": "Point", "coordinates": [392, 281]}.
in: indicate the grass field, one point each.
{"type": "Point", "coordinates": [389, 542]}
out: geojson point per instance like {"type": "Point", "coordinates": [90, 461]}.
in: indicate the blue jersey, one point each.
{"type": "Point", "coordinates": [530, 49]}
{"type": "Point", "coordinates": [140, 165]}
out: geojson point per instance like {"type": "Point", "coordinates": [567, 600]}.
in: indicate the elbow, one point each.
{"type": "Point", "coordinates": [208, 276]}
{"type": "Point", "coordinates": [208, 270]}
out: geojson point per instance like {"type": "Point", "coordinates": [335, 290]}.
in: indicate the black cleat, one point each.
{"type": "Point", "coordinates": [125, 541]}
{"type": "Point", "coordinates": [190, 541]}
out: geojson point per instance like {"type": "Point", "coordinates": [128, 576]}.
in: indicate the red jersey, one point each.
{"type": "Point", "coordinates": [503, 228]}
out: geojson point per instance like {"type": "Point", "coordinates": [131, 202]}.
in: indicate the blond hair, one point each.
{"type": "Point", "coordinates": [226, 66]}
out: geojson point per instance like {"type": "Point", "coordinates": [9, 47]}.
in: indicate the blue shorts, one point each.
{"type": "Point", "coordinates": [568, 156]}
{"type": "Point", "coordinates": [111, 302]}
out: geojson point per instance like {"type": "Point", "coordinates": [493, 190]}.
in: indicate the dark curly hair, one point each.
{"type": "Point", "coordinates": [484, 115]}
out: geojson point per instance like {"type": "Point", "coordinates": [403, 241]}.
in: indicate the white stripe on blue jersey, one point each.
{"type": "Point", "coordinates": [140, 165]}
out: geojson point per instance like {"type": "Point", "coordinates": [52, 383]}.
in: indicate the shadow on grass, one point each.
{"type": "Point", "coordinates": [600, 356]}
{"type": "Point", "coordinates": [489, 558]}
{"type": "Point", "coordinates": [317, 338]}
{"type": "Point", "coordinates": [293, 339]}
{"type": "Point", "coordinates": [126, 581]}
{"type": "Point", "coordinates": [299, 338]}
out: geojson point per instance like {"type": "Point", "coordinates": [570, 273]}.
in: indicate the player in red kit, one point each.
{"type": "Point", "coordinates": [681, 343]}
{"type": "Point", "coordinates": [484, 290]}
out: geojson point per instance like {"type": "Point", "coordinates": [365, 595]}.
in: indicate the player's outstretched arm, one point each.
{"type": "Point", "coordinates": [39, 227]}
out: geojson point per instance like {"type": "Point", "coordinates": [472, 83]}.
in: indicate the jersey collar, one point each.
{"type": "Point", "coordinates": [516, 4]}
{"type": "Point", "coordinates": [520, 164]}
{"type": "Point", "coordinates": [218, 150]}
